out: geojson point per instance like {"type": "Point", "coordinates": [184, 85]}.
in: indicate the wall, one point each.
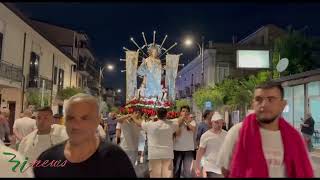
{"type": "Point", "coordinates": [14, 31]}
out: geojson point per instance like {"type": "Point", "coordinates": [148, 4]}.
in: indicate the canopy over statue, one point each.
{"type": "Point", "coordinates": [157, 75]}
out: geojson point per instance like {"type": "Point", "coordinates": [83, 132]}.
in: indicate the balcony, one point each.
{"type": "Point", "coordinates": [10, 71]}
{"type": "Point", "coordinates": [38, 83]}
{"type": "Point", "coordinates": [93, 85]}
{"type": "Point", "coordinates": [110, 93]}
{"type": "Point", "coordinates": [87, 67]}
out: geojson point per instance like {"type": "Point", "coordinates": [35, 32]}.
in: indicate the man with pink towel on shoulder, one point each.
{"type": "Point", "coordinates": [264, 144]}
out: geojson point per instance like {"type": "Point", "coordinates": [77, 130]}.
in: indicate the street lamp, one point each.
{"type": "Point", "coordinates": [110, 67]}
{"type": "Point", "coordinates": [189, 42]}
{"type": "Point", "coordinates": [118, 90]}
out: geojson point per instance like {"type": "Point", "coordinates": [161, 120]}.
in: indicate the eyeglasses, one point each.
{"type": "Point", "coordinates": [270, 99]}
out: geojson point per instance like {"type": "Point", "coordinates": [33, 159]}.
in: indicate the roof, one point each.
{"type": "Point", "coordinates": [299, 75]}
{"type": "Point", "coordinates": [260, 29]}
{"type": "Point", "coordinates": [17, 12]}
{"type": "Point", "coordinates": [52, 24]}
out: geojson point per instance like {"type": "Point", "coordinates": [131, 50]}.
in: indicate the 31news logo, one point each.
{"type": "Point", "coordinates": [24, 166]}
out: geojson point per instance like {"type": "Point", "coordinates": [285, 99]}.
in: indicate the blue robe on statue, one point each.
{"type": "Point", "coordinates": [153, 77]}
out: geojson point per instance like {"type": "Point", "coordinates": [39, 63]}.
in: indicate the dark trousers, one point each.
{"type": "Point", "coordinates": [185, 158]}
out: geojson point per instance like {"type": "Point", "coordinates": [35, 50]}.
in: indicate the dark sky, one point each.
{"type": "Point", "coordinates": [110, 25]}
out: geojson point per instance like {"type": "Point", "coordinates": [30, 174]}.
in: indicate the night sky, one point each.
{"type": "Point", "coordinates": [110, 25]}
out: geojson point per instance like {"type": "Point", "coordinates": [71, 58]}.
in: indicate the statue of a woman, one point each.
{"type": "Point", "coordinates": [151, 69]}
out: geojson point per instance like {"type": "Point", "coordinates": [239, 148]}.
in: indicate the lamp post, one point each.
{"type": "Point", "coordinates": [110, 68]}
{"type": "Point", "coordinates": [189, 42]}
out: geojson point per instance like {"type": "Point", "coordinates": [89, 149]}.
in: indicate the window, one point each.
{"type": "Point", "coordinates": [222, 71]}
{"type": "Point", "coordinates": [34, 70]}
{"type": "Point", "coordinates": [192, 80]}
{"type": "Point", "coordinates": [180, 94]}
{"type": "Point", "coordinates": [79, 83]}
{"type": "Point", "coordinates": [60, 79]}
{"type": "Point", "coordinates": [76, 42]}
{"type": "Point", "coordinates": [1, 39]}
{"type": "Point", "coordinates": [55, 75]}
{"type": "Point", "coordinates": [60, 109]}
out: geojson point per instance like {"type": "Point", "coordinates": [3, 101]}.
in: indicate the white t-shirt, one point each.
{"type": "Point", "coordinates": [129, 137]}
{"type": "Point", "coordinates": [24, 125]}
{"type": "Point", "coordinates": [118, 125]}
{"type": "Point", "coordinates": [33, 144]}
{"type": "Point", "coordinates": [6, 167]}
{"type": "Point", "coordinates": [212, 143]}
{"type": "Point", "coordinates": [101, 132]}
{"type": "Point", "coordinates": [185, 141]}
{"type": "Point", "coordinates": [160, 138]}
{"type": "Point", "coordinates": [271, 144]}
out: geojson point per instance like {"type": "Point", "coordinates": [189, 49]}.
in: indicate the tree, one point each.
{"type": "Point", "coordinates": [237, 93]}
{"type": "Point", "coordinates": [181, 102]}
{"type": "Point", "coordinates": [34, 98]}
{"type": "Point", "coordinates": [211, 94]}
{"type": "Point", "coordinates": [69, 92]}
{"type": "Point", "coordinates": [298, 48]}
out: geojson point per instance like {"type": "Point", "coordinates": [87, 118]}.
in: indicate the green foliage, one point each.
{"type": "Point", "coordinates": [34, 98]}
{"type": "Point", "coordinates": [180, 103]}
{"type": "Point", "coordinates": [69, 92]}
{"type": "Point", "coordinates": [104, 107]}
{"type": "Point", "coordinates": [298, 49]}
{"type": "Point", "coordinates": [207, 94]}
{"type": "Point", "coordinates": [233, 93]}
{"type": "Point", "coordinates": [114, 109]}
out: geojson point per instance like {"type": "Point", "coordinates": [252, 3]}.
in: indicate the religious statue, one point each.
{"type": "Point", "coordinates": [151, 70]}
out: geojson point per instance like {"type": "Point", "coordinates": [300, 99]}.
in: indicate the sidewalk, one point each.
{"type": "Point", "coordinates": [315, 157]}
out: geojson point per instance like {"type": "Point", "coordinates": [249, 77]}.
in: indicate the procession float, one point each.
{"type": "Point", "coordinates": [150, 78]}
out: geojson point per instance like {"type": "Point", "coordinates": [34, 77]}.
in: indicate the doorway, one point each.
{"type": "Point", "coordinates": [12, 109]}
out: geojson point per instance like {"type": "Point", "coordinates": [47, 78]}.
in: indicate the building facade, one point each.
{"type": "Point", "coordinates": [302, 93]}
{"type": "Point", "coordinates": [30, 63]}
{"type": "Point", "coordinates": [220, 61]}
{"type": "Point", "coordinates": [76, 44]}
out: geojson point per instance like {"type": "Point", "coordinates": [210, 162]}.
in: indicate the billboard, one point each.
{"type": "Point", "coordinates": [253, 59]}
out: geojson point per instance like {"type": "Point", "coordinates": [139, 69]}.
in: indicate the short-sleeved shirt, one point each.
{"type": "Point", "coordinates": [271, 144]}
{"type": "Point", "coordinates": [109, 160]}
{"type": "Point", "coordinates": [202, 128]}
{"type": "Point", "coordinates": [24, 125]}
{"type": "Point", "coordinates": [185, 141]}
{"type": "Point", "coordinates": [212, 143]}
{"type": "Point", "coordinates": [112, 123]}
{"type": "Point", "coordinates": [308, 130]}
{"type": "Point", "coordinates": [160, 138]}
{"type": "Point", "coordinates": [33, 144]}
{"type": "Point", "coordinates": [129, 137]}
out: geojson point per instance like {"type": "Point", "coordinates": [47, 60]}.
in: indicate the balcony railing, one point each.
{"type": "Point", "coordinates": [93, 84]}
{"type": "Point", "coordinates": [38, 82]}
{"type": "Point", "coordinates": [11, 71]}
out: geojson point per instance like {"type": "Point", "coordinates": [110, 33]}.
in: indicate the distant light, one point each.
{"type": "Point", "coordinates": [110, 67]}
{"type": "Point", "coordinates": [118, 90]}
{"type": "Point", "coordinates": [188, 42]}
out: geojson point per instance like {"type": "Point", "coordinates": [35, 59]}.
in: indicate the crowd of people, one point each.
{"type": "Point", "coordinates": [88, 145]}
